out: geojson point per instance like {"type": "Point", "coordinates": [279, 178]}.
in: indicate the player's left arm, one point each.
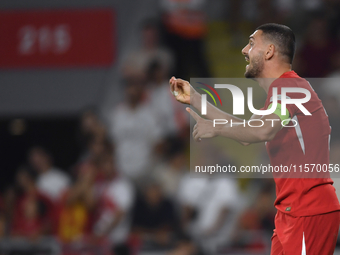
{"type": "Point", "coordinates": [253, 133]}
{"type": "Point", "coordinates": [245, 134]}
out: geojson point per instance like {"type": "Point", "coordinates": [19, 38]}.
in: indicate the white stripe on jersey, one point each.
{"type": "Point", "coordinates": [299, 134]}
{"type": "Point", "coordinates": [303, 252]}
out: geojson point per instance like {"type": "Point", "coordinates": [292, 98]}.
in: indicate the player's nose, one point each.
{"type": "Point", "coordinates": [245, 50]}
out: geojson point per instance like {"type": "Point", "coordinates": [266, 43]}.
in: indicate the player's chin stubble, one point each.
{"type": "Point", "coordinates": [255, 68]}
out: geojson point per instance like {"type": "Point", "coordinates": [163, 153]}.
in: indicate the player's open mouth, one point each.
{"type": "Point", "coordinates": [247, 60]}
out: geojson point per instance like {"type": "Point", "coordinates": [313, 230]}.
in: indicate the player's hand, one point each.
{"type": "Point", "coordinates": [203, 128]}
{"type": "Point", "coordinates": [182, 90]}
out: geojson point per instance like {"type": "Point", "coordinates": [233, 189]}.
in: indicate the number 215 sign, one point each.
{"type": "Point", "coordinates": [57, 38]}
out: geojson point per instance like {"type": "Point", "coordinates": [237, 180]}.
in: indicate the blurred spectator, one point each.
{"type": "Point", "coordinates": [51, 181]}
{"type": "Point", "coordinates": [185, 25]}
{"type": "Point", "coordinates": [139, 60]}
{"type": "Point", "coordinates": [98, 147]}
{"type": "Point", "coordinates": [161, 98]}
{"type": "Point", "coordinates": [170, 115]}
{"type": "Point", "coordinates": [154, 218]}
{"type": "Point", "coordinates": [170, 172]}
{"type": "Point", "coordinates": [256, 223]}
{"type": "Point", "coordinates": [314, 57]}
{"type": "Point", "coordinates": [134, 129]}
{"type": "Point", "coordinates": [8, 207]}
{"type": "Point", "coordinates": [76, 207]}
{"type": "Point", "coordinates": [114, 199]}
{"type": "Point", "coordinates": [91, 129]}
{"type": "Point", "coordinates": [95, 149]}
{"type": "Point", "coordinates": [33, 215]}
{"type": "Point", "coordinates": [209, 209]}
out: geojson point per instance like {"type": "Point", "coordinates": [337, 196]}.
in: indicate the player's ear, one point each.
{"type": "Point", "coordinates": [270, 51]}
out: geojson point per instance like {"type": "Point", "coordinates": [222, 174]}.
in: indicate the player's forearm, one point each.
{"type": "Point", "coordinates": [246, 134]}
{"type": "Point", "coordinates": [212, 111]}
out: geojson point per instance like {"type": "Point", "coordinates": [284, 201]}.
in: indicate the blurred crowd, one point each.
{"type": "Point", "coordinates": [130, 191]}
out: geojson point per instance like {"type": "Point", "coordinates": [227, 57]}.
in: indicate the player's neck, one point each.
{"type": "Point", "coordinates": [271, 73]}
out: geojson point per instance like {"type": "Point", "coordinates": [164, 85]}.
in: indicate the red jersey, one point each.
{"type": "Point", "coordinates": [306, 143]}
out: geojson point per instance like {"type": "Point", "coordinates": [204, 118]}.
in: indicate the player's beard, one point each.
{"type": "Point", "coordinates": [255, 67]}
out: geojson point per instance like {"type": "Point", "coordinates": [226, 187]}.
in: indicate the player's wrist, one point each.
{"type": "Point", "coordinates": [195, 98]}
{"type": "Point", "coordinates": [217, 130]}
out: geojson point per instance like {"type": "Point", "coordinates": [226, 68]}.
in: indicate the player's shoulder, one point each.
{"type": "Point", "coordinates": [291, 79]}
{"type": "Point", "coordinates": [290, 74]}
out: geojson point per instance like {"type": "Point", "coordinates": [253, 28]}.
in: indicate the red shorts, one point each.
{"type": "Point", "coordinates": [312, 235]}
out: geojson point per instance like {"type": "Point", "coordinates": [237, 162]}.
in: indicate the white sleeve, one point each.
{"type": "Point", "coordinates": [227, 194]}
{"type": "Point", "coordinates": [190, 190]}
{"type": "Point", "coordinates": [122, 194]}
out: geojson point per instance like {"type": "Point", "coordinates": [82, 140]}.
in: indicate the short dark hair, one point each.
{"type": "Point", "coordinates": [282, 36]}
